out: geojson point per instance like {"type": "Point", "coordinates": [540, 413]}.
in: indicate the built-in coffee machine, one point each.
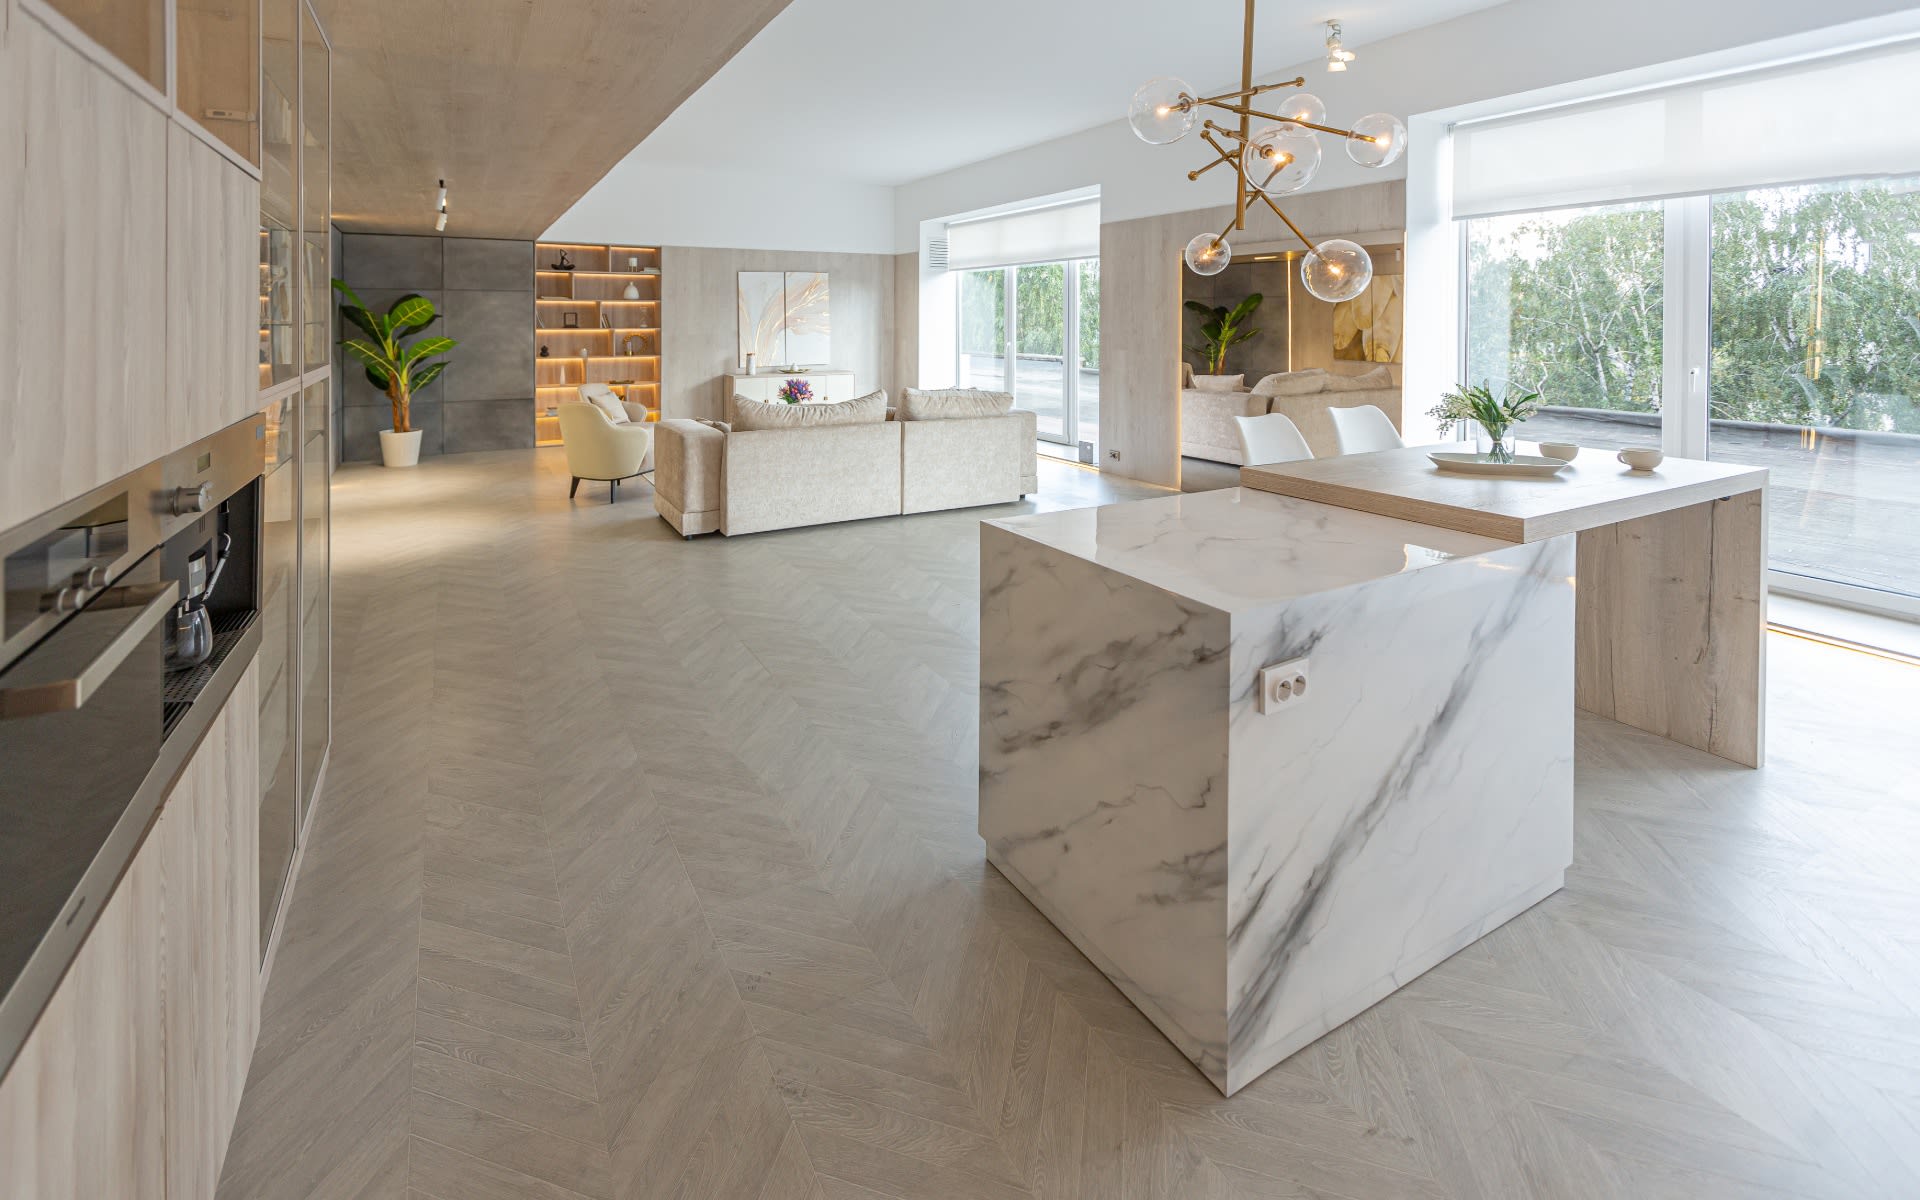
{"type": "Point", "coordinates": [127, 615]}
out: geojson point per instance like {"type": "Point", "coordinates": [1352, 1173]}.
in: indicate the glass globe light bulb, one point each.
{"type": "Point", "coordinates": [1208, 254]}
{"type": "Point", "coordinates": [1281, 159]}
{"type": "Point", "coordinates": [1162, 110]}
{"type": "Point", "coordinates": [1389, 140]}
{"type": "Point", "coordinates": [1303, 106]}
{"type": "Point", "coordinates": [1336, 270]}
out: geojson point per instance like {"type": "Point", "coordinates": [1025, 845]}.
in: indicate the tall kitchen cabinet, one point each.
{"type": "Point", "coordinates": [137, 194]}
{"type": "Point", "coordinates": [295, 378]}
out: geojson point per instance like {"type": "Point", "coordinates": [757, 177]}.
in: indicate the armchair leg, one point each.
{"type": "Point", "coordinates": [575, 489]}
{"type": "Point", "coordinates": [613, 490]}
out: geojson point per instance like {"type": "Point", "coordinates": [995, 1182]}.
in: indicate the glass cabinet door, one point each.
{"type": "Point", "coordinates": [134, 31]}
{"type": "Point", "coordinates": [316, 198]}
{"type": "Point", "coordinates": [316, 624]}
{"type": "Point", "coordinates": [279, 549]}
{"type": "Point", "coordinates": [279, 171]}
{"type": "Point", "coordinates": [217, 72]}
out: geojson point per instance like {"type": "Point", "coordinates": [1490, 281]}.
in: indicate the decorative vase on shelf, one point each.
{"type": "Point", "coordinates": [751, 368]}
{"type": "Point", "coordinates": [632, 292]}
{"type": "Point", "coordinates": [543, 351]}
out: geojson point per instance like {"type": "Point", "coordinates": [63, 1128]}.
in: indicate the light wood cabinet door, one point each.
{"type": "Point", "coordinates": [82, 1111]}
{"type": "Point", "coordinates": [83, 205]}
{"type": "Point", "coordinates": [209, 898]}
{"type": "Point", "coordinates": [213, 286]}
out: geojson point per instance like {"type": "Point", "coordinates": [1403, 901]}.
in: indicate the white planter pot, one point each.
{"type": "Point", "coordinates": [400, 449]}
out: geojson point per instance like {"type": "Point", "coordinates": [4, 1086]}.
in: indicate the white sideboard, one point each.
{"type": "Point", "coordinates": [829, 387]}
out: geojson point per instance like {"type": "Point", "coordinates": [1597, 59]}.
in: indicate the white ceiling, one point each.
{"type": "Point", "coordinates": [889, 91]}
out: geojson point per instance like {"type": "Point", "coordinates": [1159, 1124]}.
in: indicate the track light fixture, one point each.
{"type": "Point", "coordinates": [440, 220]}
{"type": "Point", "coordinates": [1338, 56]}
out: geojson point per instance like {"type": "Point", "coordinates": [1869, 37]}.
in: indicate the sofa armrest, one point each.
{"type": "Point", "coordinates": [688, 460]}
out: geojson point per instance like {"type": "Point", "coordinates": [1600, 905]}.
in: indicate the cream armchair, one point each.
{"type": "Point", "coordinates": [599, 449]}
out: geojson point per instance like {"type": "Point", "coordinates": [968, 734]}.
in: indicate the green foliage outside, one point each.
{"type": "Point", "coordinates": [1815, 306]}
{"type": "Point", "coordinates": [1041, 296]}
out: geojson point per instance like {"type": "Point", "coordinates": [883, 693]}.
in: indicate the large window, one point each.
{"type": "Point", "coordinates": [1778, 327]}
{"type": "Point", "coordinates": [1034, 330]}
{"type": "Point", "coordinates": [1569, 304]}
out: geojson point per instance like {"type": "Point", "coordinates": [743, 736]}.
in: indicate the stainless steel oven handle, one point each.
{"type": "Point", "coordinates": [71, 694]}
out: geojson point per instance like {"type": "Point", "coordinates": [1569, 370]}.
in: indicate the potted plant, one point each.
{"type": "Point", "coordinates": [394, 365]}
{"type": "Point", "coordinates": [1220, 330]}
{"type": "Point", "coordinates": [1495, 415]}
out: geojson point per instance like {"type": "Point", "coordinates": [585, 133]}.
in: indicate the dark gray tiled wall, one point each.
{"type": "Point", "coordinates": [483, 290]}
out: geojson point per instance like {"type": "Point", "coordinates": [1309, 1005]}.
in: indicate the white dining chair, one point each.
{"type": "Point", "coordinates": [1363, 429]}
{"type": "Point", "coordinates": [1270, 438]}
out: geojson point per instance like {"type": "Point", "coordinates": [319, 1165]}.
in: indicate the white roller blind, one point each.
{"type": "Point", "coordinates": [1831, 118]}
{"type": "Point", "coordinates": [1032, 235]}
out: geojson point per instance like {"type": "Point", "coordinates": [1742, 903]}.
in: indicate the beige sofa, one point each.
{"type": "Point", "coordinates": [712, 476]}
{"type": "Point", "coordinates": [1206, 418]}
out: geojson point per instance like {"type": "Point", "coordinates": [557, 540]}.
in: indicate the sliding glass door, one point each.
{"type": "Point", "coordinates": [1778, 327]}
{"type": "Point", "coordinates": [1025, 329]}
{"type": "Point", "coordinates": [1815, 375]}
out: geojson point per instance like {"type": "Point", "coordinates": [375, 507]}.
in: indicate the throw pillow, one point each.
{"type": "Point", "coordinates": [953, 404]}
{"type": "Point", "coordinates": [1218, 383]}
{"type": "Point", "coordinates": [1293, 383]}
{"type": "Point", "coordinates": [870, 409]}
{"type": "Point", "coordinates": [609, 404]}
{"type": "Point", "coordinates": [1378, 379]}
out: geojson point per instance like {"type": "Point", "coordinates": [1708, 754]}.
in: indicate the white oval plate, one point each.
{"type": "Point", "coordinates": [1527, 466]}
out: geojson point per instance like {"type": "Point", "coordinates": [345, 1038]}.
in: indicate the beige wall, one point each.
{"type": "Point", "coordinates": [1141, 282]}
{"type": "Point", "coordinates": [906, 320]}
{"type": "Point", "coordinates": [699, 321]}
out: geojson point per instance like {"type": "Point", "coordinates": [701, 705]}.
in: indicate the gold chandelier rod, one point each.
{"type": "Point", "coordinates": [1246, 85]}
{"type": "Point", "coordinates": [1249, 93]}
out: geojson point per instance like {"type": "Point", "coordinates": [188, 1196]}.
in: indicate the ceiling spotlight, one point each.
{"type": "Point", "coordinates": [1338, 56]}
{"type": "Point", "coordinates": [440, 223]}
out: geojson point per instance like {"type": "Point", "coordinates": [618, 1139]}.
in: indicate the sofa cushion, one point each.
{"type": "Point", "coordinates": [1293, 383]}
{"type": "Point", "coordinates": [870, 409]}
{"type": "Point", "coordinates": [1378, 379]}
{"type": "Point", "coordinates": [953, 404]}
{"type": "Point", "coordinates": [1218, 383]}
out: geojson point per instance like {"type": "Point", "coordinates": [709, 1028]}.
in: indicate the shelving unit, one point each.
{"type": "Point", "coordinates": [620, 336]}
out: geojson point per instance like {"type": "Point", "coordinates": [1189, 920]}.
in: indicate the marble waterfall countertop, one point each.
{"type": "Point", "coordinates": [1237, 549]}
{"type": "Point", "coordinates": [1248, 878]}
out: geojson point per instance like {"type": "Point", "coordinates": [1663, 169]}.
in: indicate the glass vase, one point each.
{"type": "Point", "coordinates": [1494, 446]}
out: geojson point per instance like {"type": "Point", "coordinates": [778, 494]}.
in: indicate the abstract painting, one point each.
{"type": "Point", "coordinates": [785, 318]}
{"type": "Point", "coordinates": [809, 327]}
{"type": "Point", "coordinates": [1369, 327]}
{"type": "Point", "coordinates": [763, 317]}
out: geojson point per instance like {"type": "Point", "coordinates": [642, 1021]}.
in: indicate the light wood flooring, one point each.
{"type": "Point", "coordinates": [647, 868]}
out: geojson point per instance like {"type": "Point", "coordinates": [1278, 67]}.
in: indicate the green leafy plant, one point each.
{"type": "Point", "coordinates": [1220, 330]}
{"type": "Point", "coordinates": [394, 365]}
{"type": "Point", "coordinates": [1496, 414]}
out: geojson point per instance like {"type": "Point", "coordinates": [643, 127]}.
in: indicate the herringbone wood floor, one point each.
{"type": "Point", "coordinates": [648, 868]}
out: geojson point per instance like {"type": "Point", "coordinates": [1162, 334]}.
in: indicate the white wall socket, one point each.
{"type": "Point", "coordinates": [1282, 685]}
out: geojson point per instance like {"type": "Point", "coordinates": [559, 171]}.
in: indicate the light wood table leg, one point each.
{"type": "Point", "coordinates": [1670, 625]}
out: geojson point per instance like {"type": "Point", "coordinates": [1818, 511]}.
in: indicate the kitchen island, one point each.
{"type": "Point", "coordinates": [1252, 865]}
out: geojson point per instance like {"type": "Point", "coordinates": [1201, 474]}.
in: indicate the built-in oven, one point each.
{"type": "Point", "coordinates": [126, 618]}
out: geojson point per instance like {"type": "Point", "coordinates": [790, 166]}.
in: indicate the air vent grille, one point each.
{"type": "Point", "coordinates": [937, 254]}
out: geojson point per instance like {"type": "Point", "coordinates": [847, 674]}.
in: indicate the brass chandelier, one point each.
{"type": "Point", "coordinates": [1273, 160]}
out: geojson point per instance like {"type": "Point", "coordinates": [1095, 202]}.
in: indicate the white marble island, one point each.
{"type": "Point", "coordinates": [1251, 880]}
